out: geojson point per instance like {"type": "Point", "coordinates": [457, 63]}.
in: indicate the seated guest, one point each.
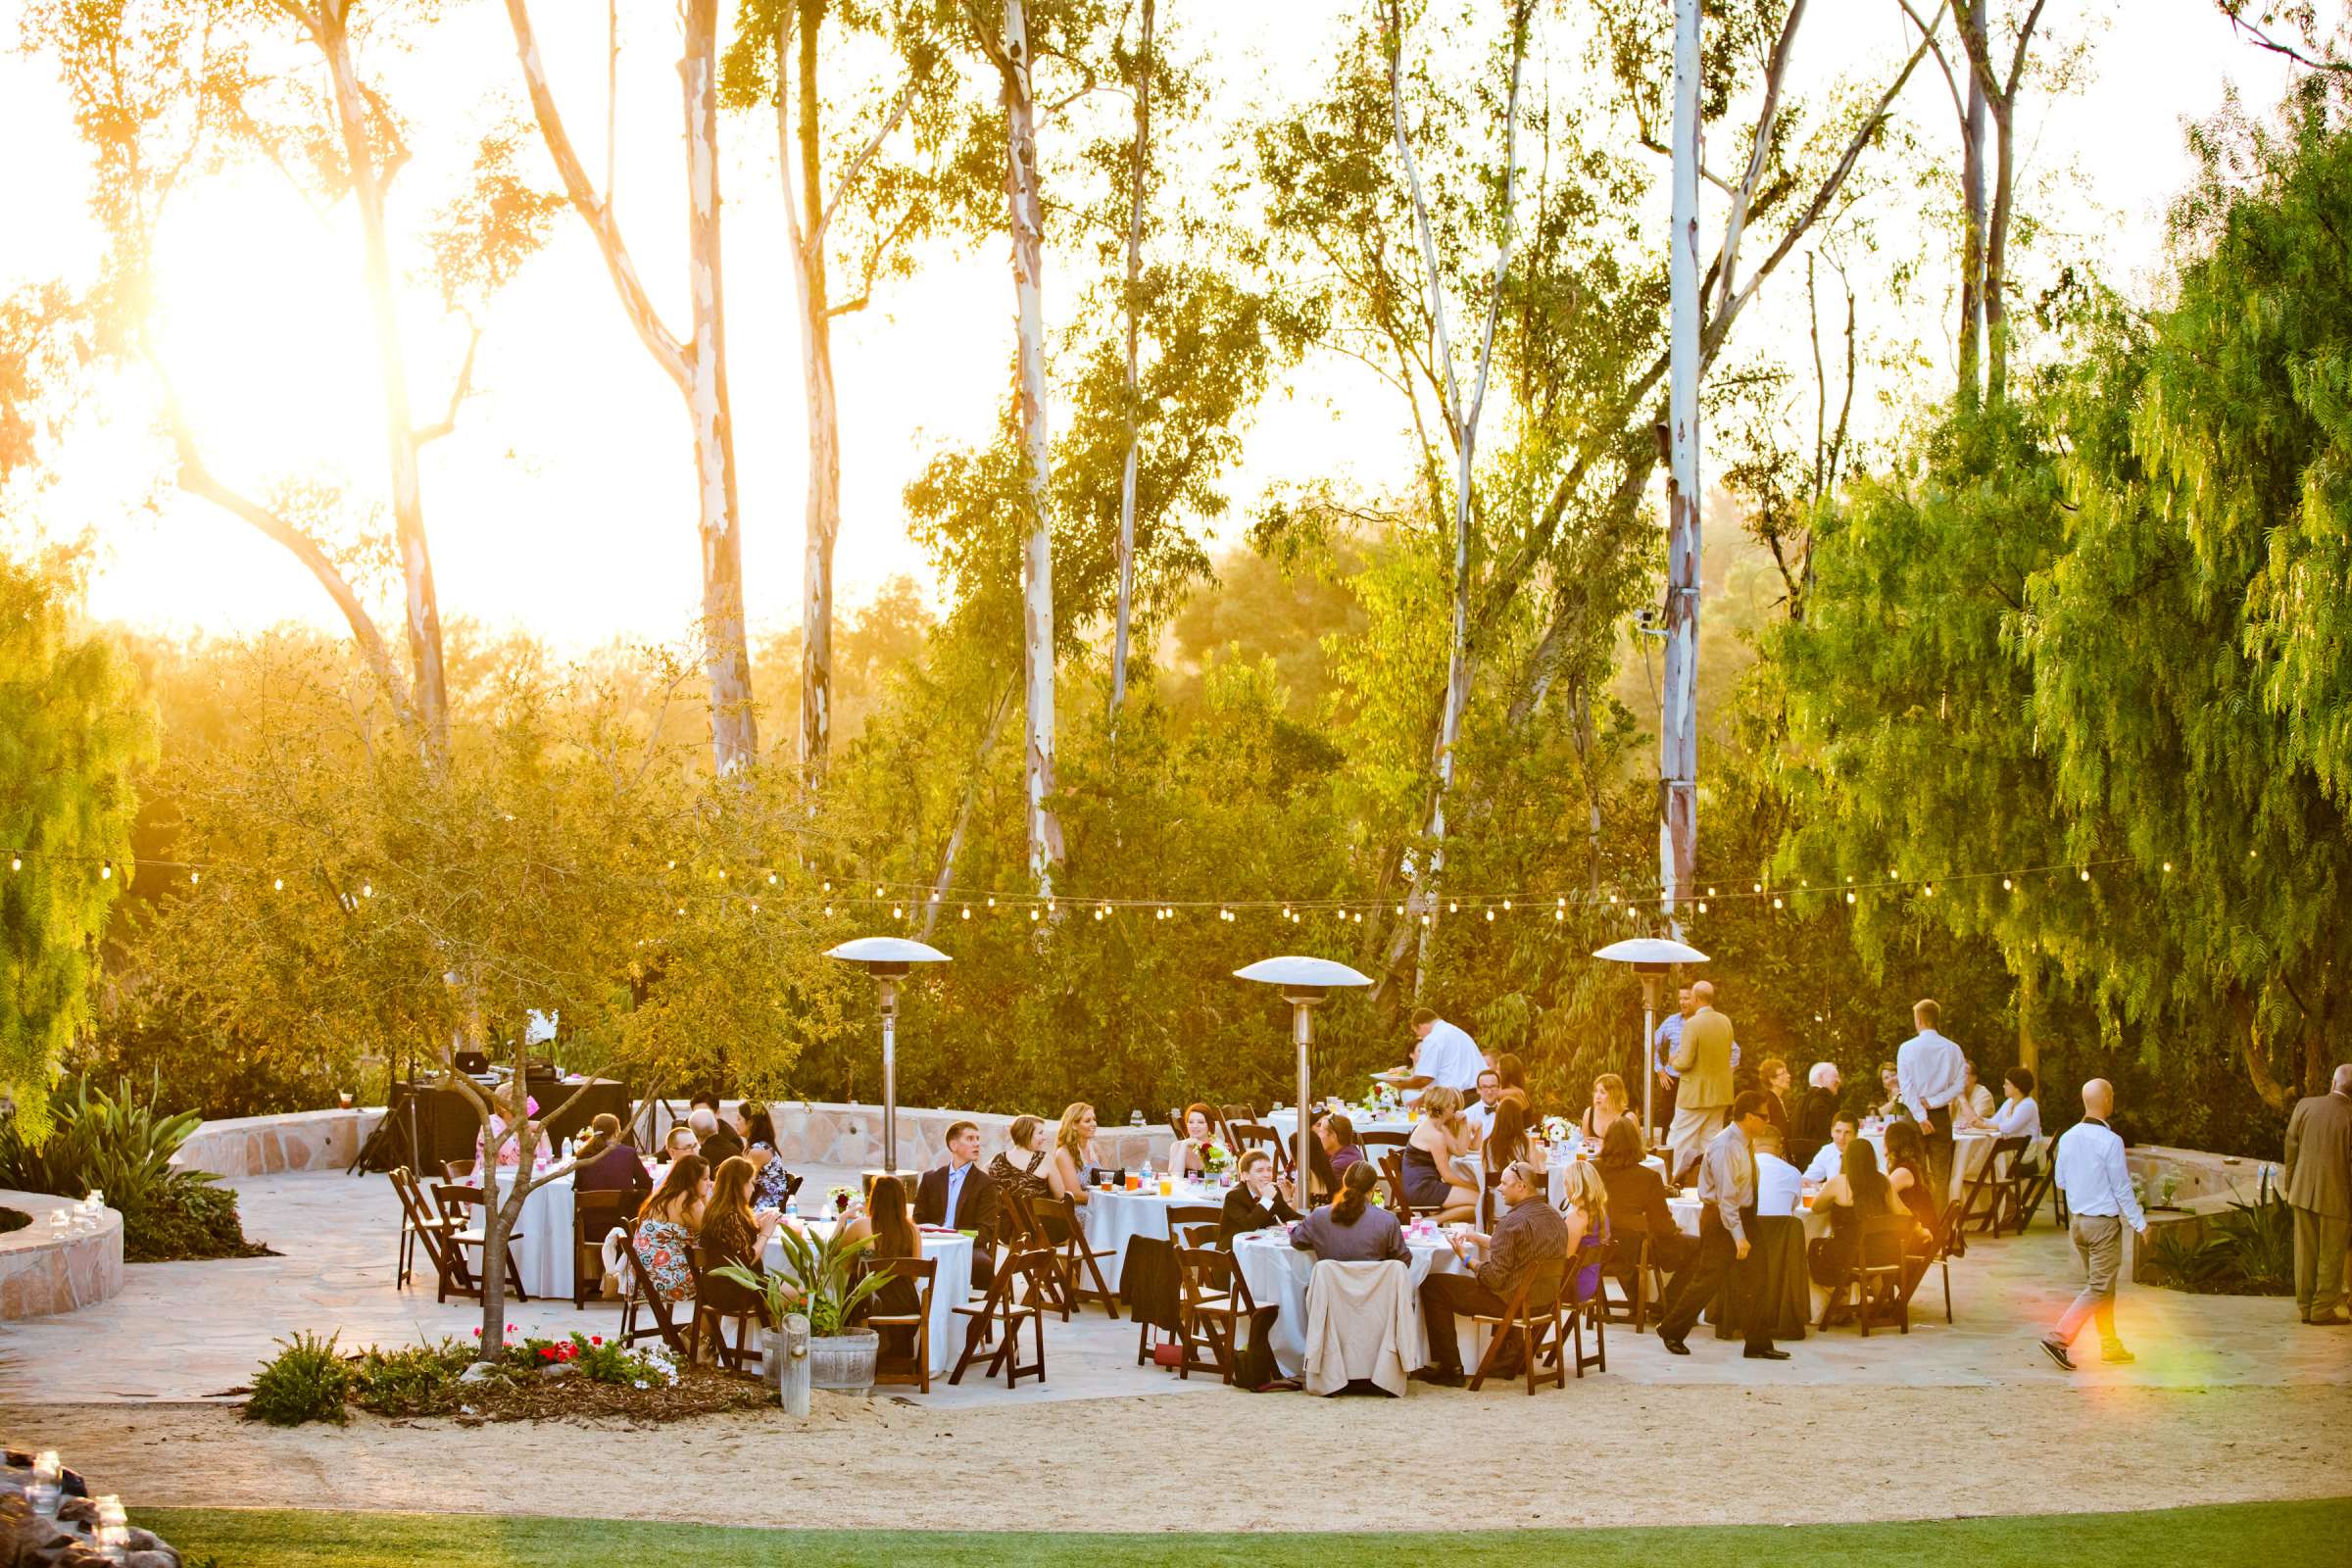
{"type": "Point", "coordinates": [682, 1140]}
{"type": "Point", "coordinates": [1529, 1232]}
{"type": "Point", "coordinates": [1350, 1229]}
{"type": "Point", "coordinates": [1026, 1175]}
{"type": "Point", "coordinates": [606, 1165]}
{"type": "Point", "coordinates": [1258, 1202]}
{"type": "Point", "coordinates": [731, 1232]}
{"type": "Point", "coordinates": [666, 1226]}
{"type": "Point", "coordinates": [1188, 1158]}
{"type": "Point", "coordinates": [1480, 1113]}
{"type": "Point", "coordinates": [891, 1230]}
{"type": "Point", "coordinates": [1777, 1182]}
{"type": "Point", "coordinates": [1585, 1204]}
{"type": "Point", "coordinates": [1432, 1180]}
{"type": "Point", "coordinates": [1856, 1192]}
{"type": "Point", "coordinates": [1512, 1074]}
{"type": "Point", "coordinates": [771, 1183]}
{"type": "Point", "coordinates": [1975, 1107]}
{"type": "Point", "coordinates": [1829, 1159]}
{"type": "Point", "coordinates": [1608, 1107]}
{"type": "Point", "coordinates": [1333, 1150]}
{"type": "Point", "coordinates": [2017, 1116]}
{"type": "Point", "coordinates": [1907, 1174]}
{"type": "Point", "coordinates": [1772, 1078]}
{"type": "Point", "coordinates": [1074, 1154]}
{"type": "Point", "coordinates": [1511, 1138]}
{"type": "Point", "coordinates": [494, 1131]}
{"type": "Point", "coordinates": [1892, 1105]}
{"type": "Point", "coordinates": [1636, 1195]}
{"type": "Point", "coordinates": [719, 1141]}
{"type": "Point", "coordinates": [959, 1195]}
{"type": "Point", "coordinates": [1814, 1112]}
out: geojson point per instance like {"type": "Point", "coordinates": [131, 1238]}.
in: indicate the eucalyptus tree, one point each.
{"type": "Point", "coordinates": [695, 364]}
{"type": "Point", "coordinates": [858, 148]}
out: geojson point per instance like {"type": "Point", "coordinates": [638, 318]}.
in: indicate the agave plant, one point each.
{"type": "Point", "coordinates": [2260, 1242]}
{"type": "Point", "coordinates": [816, 1279]}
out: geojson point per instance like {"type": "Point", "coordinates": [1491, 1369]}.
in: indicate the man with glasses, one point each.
{"type": "Point", "coordinates": [1531, 1232]}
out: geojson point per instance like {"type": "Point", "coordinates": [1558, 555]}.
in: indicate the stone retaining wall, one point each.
{"type": "Point", "coordinates": [43, 1273]}
{"type": "Point", "coordinates": [264, 1146]}
{"type": "Point", "coordinates": [822, 1134]}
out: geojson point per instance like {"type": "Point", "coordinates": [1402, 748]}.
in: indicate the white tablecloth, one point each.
{"type": "Point", "coordinates": [1277, 1275]}
{"type": "Point", "coordinates": [1110, 1218]}
{"type": "Point", "coordinates": [951, 1286]}
{"type": "Point", "coordinates": [1816, 1225]}
{"type": "Point", "coordinates": [543, 1250]}
{"type": "Point", "coordinates": [1555, 1171]}
{"type": "Point", "coordinates": [1970, 1149]}
{"type": "Point", "coordinates": [1286, 1122]}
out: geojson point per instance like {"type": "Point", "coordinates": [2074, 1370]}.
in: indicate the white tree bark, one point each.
{"type": "Point", "coordinates": [1678, 717]}
{"type": "Point", "coordinates": [1027, 216]}
{"type": "Point", "coordinates": [420, 601]}
{"type": "Point", "coordinates": [1462, 417]}
{"type": "Point", "coordinates": [697, 367]}
{"type": "Point", "coordinates": [1135, 278]}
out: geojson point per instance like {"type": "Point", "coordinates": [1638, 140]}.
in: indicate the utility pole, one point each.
{"type": "Point", "coordinates": [1677, 716]}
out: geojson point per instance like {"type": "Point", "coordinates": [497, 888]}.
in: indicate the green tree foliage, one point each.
{"type": "Point", "coordinates": [73, 731]}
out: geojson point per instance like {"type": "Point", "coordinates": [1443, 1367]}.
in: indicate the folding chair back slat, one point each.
{"type": "Point", "coordinates": [593, 1215]}
{"type": "Point", "coordinates": [924, 1272]}
{"type": "Point", "coordinates": [997, 1313]}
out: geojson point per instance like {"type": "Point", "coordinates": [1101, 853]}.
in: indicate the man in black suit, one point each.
{"type": "Point", "coordinates": [720, 1142]}
{"type": "Point", "coordinates": [963, 1197]}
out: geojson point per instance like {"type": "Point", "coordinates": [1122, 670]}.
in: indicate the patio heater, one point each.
{"type": "Point", "coordinates": [1650, 957]}
{"type": "Point", "coordinates": [889, 960]}
{"type": "Point", "coordinates": [1306, 983]}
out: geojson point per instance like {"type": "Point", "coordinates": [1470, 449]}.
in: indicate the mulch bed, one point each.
{"type": "Point", "coordinates": [700, 1391]}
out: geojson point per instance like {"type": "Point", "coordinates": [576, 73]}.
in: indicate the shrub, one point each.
{"type": "Point", "coordinates": [119, 1144]}
{"type": "Point", "coordinates": [186, 1219]}
{"type": "Point", "coordinates": [306, 1381]}
{"type": "Point", "coordinates": [419, 1380]}
{"type": "Point", "coordinates": [2259, 1239]}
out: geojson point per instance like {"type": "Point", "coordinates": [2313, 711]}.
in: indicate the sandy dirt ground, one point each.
{"type": "Point", "coordinates": [1597, 1454]}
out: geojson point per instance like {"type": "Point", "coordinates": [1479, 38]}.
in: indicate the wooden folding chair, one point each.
{"type": "Point", "coordinates": [456, 1204]}
{"type": "Point", "coordinates": [1981, 1202]}
{"type": "Point", "coordinates": [1213, 1309]}
{"type": "Point", "coordinates": [593, 1214]}
{"type": "Point", "coordinates": [1534, 1324]}
{"type": "Point", "coordinates": [1079, 1259]}
{"type": "Point", "coordinates": [1872, 1287]}
{"type": "Point", "coordinates": [1392, 1175]}
{"type": "Point", "coordinates": [997, 1317]}
{"type": "Point", "coordinates": [1375, 1145]}
{"type": "Point", "coordinates": [456, 1170]}
{"type": "Point", "coordinates": [2027, 1184]}
{"type": "Point", "coordinates": [420, 1224]}
{"type": "Point", "coordinates": [1635, 1271]}
{"type": "Point", "coordinates": [924, 1271]}
{"type": "Point", "coordinates": [643, 1295]}
{"type": "Point", "coordinates": [1592, 1309]}
{"type": "Point", "coordinates": [1197, 1234]}
{"type": "Point", "coordinates": [1938, 1257]}
{"type": "Point", "coordinates": [1248, 1135]}
{"type": "Point", "coordinates": [716, 1303]}
{"type": "Point", "coordinates": [1227, 1115]}
{"type": "Point", "coordinates": [1184, 1215]}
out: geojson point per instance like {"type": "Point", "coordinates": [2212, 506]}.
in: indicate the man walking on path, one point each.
{"type": "Point", "coordinates": [1929, 1073]}
{"type": "Point", "coordinates": [2090, 1171]}
{"type": "Point", "coordinates": [1703, 1057]}
{"type": "Point", "coordinates": [2319, 1188]}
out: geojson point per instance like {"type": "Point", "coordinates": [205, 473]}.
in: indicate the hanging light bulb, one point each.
{"type": "Point", "coordinates": [1507, 905]}
{"type": "Point", "coordinates": [991, 901]}
{"type": "Point", "coordinates": [722, 873]}
{"type": "Point", "coordinates": [1032, 914]}
{"type": "Point", "coordinates": [829, 911]}
{"type": "Point", "coordinates": [195, 877]}
{"type": "Point", "coordinates": [896, 912]}
{"type": "Point", "coordinates": [1775, 901]}
{"type": "Point", "coordinates": [2085, 874]}
{"type": "Point", "coordinates": [828, 884]}
{"type": "Point", "coordinates": [1930, 890]}
{"type": "Point", "coordinates": [673, 865]}
{"type": "Point", "coordinates": [106, 871]}
{"type": "Point", "coordinates": [771, 879]}
{"type": "Point", "coordinates": [1489, 916]}
{"type": "Point", "coordinates": [367, 891]}
{"type": "Point", "coordinates": [755, 908]}
{"type": "Point", "coordinates": [1849, 898]}
{"type": "Point", "coordinates": [2168, 865]}
{"type": "Point", "coordinates": [1560, 913]}
{"type": "Point", "coordinates": [2007, 885]}
{"type": "Point", "coordinates": [1757, 886]}
{"type": "Point", "coordinates": [1702, 905]}
{"type": "Point", "coordinates": [877, 889]}
{"type": "Point", "coordinates": [1454, 907]}
{"type": "Point", "coordinates": [277, 884]}
{"type": "Point", "coordinates": [968, 911]}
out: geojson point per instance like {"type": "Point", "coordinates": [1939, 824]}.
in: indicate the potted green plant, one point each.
{"type": "Point", "coordinates": [815, 1280]}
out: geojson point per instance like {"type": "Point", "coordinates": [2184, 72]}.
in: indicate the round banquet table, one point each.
{"type": "Point", "coordinates": [951, 1282]}
{"type": "Point", "coordinates": [1970, 1149]}
{"type": "Point", "coordinates": [543, 1252]}
{"type": "Point", "coordinates": [1277, 1275]}
{"type": "Point", "coordinates": [1111, 1217]}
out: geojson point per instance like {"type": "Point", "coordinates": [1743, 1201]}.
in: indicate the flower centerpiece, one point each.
{"type": "Point", "coordinates": [1215, 1159]}
{"type": "Point", "coordinates": [843, 1197]}
{"type": "Point", "coordinates": [1555, 1129]}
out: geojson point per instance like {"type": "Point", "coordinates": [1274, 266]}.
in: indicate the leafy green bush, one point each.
{"type": "Point", "coordinates": [2259, 1239]}
{"type": "Point", "coordinates": [418, 1380]}
{"type": "Point", "coordinates": [306, 1381]}
{"type": "Point", "coordinates": [119, 1144]}
{"type": "Point", "coordinates": [2197, 1264]}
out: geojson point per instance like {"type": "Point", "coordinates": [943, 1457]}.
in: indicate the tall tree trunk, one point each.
{"type": "Point", "coordinates": [1678, 717]}
{"type": "Point", "coordinates": [420, 603]}
{"type": "Point", "coordinates": [823, 508]}
{"type": "Point", "coordinates": [997, 711]}
{"type": "Point", "coordinates": [726, 647]}
{"type": "Point", "coordinates": [1972, 245]}
{"type": "Point", "coordinates": [1996, 254]}
{"type": "Point", "coordinates": [697, 367]}
{"type": "Point", "coordinates": [1462, 416]}
{"type": "Point", "coordinates": [1135, 278]}
{"type": "Point", "coordinates": [1026, 211]}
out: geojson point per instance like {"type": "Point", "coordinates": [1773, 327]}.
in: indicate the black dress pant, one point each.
{"type": "Point", "coordinates": [1443, 1296]}
{"type": "Point", "coordinates": [1938, 1139]}
{"type": "Point", "coordinates": [1717, 1259]}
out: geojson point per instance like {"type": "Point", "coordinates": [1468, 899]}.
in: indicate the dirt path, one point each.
{"type": "Point", "coordinates": [1601, 1455]}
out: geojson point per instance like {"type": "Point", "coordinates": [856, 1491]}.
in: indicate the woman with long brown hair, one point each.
{"type": "Point", "coordinates": [665, 1227]}
{"type": "Point", "coordinates": [732, 1232]}
{"type": "Point", "coordinates": [890, 1224]}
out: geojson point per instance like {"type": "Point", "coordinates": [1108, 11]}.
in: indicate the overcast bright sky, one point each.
{"type": "Point", "coordinates": [564, 503]}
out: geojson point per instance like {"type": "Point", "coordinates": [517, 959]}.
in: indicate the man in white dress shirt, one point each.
{"type": "Point", "coordinates": [2097, 1183]}
{"type": "Point", "coordinates": [1480, 1113]}
{"type": "Point", "coordinates": [1829, 1159]}
{"type": "Point", "coordinates": [1445, 1056]}
{"type": "Point", "coordinates": [1930, 1074]}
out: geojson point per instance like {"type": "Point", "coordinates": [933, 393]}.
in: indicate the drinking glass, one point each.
{"type": "Point", "coordinates": [1167, 1186]}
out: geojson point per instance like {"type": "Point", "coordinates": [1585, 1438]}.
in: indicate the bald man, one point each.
{"type": "Point", "coordinates": [1702, 1096]}
{"type": "Point", "coordinates": [2090, 1170]}
{"type": "Point", "coordinates": [2319, 1188]}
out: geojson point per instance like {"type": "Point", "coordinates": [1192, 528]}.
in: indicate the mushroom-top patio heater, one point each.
{"type": "Point", "coordinates": [1304, 983]}
{"type": "Point", "coordinates": [889, 960]}
{"type": "Point", "coordinates": [1650, 957]}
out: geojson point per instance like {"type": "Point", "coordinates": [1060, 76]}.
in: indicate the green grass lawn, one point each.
{"type": "Point", "coordinates": [2271, 1533]}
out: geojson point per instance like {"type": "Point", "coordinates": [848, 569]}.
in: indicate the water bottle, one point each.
{"type": "Point", "coordinates": [1135, 1118]}
{"type": "Point", "coordinates": [792, 1212]}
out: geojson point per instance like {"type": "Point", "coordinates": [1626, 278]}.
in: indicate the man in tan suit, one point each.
{"type": "Point", "coordinates": [1703, 1057]}
{"type": "Point", "coordinates": [2319, 1188]}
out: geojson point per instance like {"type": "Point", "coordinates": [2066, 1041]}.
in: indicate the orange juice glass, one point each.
{"type": "Point", "coordinates": [1135, 1182]}
{"type": "Point", "coordinates": [1167, 1187]}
